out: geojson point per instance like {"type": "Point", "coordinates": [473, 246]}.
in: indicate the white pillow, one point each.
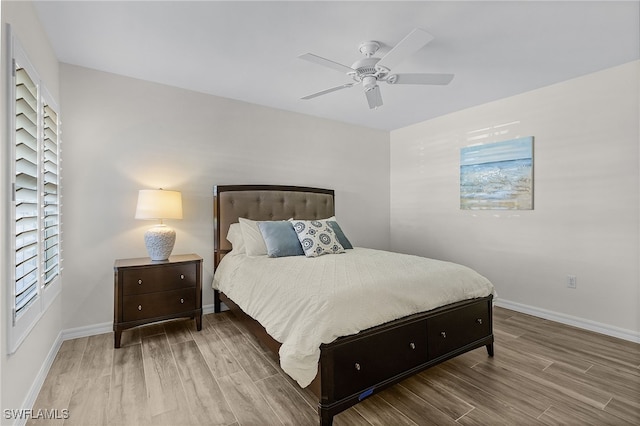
{"type": "Point", "coordinates": [317, 237]}
{"type": "Point", "coordinates": [253, 241]}
{"type": "Point", "coordinates": [234, 236]}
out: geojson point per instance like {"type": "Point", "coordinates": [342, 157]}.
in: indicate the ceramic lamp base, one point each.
{"type": "Point", "coordinates": [159, 241]}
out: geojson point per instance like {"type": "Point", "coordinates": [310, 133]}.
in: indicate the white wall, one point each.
{"type": "Point", "coordinates": [586, 216]}
{"type": "Point", "coordinates": [20, 371]}
{"type": "Point", "coordinates": [122, 135]}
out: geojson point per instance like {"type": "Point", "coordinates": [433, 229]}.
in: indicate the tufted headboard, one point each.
{"type": "Point", "coordinates": [264, 202]}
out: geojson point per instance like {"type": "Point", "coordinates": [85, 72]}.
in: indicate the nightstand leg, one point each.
{"type": "Point", "coordinates": [117, 334]}
{"type": "Point", "coordinates": [199, 322]}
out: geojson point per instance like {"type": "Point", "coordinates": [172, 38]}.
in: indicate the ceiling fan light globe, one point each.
{"type": "Point", "coordinates": [369, 83]}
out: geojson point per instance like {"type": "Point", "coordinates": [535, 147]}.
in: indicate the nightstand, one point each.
{"type": "Point", "coordinates": [147, 291]}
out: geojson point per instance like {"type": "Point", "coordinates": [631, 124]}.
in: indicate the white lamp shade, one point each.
{"type": "Point", "coordinates": [159, 204]}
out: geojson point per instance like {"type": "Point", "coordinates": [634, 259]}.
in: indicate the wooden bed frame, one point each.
{"type": "Point", "coordinates": [353, 367]}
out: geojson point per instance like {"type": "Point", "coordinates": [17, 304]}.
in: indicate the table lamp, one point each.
{"type": "Point", "coordinates": [158, 204]}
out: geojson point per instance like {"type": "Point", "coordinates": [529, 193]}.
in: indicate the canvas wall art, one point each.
{"type": "Point", "coordinates": [497, 176]}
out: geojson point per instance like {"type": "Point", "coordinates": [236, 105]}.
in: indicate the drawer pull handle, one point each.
{"type": "Point", "coordinates": [443, 334]}
{"type": "Point", "coordinates": [412, 345]}
{"type": "Point", "coordinates": [479, 320]}
{"type": "Point", "coordinates": [139, 282]}
{"type": "Point", "coordinates": [139, 307]}
{"type": "Point", "coordinates": [182, 276]}
{"type": "Point", "coordinates": [357, 366]}
{"type": "Point", "coordinates": [181, 300]}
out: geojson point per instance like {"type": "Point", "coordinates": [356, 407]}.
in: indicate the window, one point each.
{"type": "Point", "coordinates": [36, 197]}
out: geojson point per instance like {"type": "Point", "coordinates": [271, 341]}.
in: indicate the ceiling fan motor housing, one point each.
{"type": "Point", "coordinates": [365, 66]}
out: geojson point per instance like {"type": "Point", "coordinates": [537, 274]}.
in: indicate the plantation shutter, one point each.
{"type": "Point", "coordinates": [50, 215]}
{"type": "Point", "coordinates": [33, 166]}
{"type": "Point", "coordinates": [26, 189]}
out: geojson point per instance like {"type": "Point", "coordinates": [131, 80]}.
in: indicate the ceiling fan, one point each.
{"type": "Point", "coordinates": [370, 70]}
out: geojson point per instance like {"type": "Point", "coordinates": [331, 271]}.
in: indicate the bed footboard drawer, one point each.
{"type": "Point", "coordinates": [454, 329]}
{"type": "Point", "coordinates": [360, 363]}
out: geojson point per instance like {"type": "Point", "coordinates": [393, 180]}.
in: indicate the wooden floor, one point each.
{"type": "Point", "coordinates": [542, 373]}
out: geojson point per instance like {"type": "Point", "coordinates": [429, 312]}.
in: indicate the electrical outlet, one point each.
{"type": "Point", "coordinates": [571, 281]}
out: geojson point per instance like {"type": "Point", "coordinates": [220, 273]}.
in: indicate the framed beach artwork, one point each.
{"type": "Point", "coordinates": [497, 176]}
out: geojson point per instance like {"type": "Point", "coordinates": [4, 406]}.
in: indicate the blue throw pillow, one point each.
{"type": "Point", "coordinates": [317, 237]}
{"type": "Point", "coordinates": [280, 238]}
{"type": "Point", "coordinates": [344, 241]}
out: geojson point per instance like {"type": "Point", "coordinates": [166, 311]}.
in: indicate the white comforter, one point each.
{"type": "Point", "coordinates": [304, 302]}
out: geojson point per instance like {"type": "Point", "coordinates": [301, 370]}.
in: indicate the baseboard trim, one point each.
{"type": "Point", "coordinates": [87, 330]}
{"type": "Point", "coordinates": [586, 324]}
{"type": "Point", "coordinates": [36, 386]}
{"type": "Point", "coordinates": [107, 327]}
{"type": "Point", "coordinates": [208, 309]}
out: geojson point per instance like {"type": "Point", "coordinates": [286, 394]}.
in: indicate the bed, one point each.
{"type": "Point", "coordinates": [359, 363]}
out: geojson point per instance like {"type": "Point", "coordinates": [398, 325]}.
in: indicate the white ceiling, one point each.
{"type": "Point", "coordinates": [248, 50]}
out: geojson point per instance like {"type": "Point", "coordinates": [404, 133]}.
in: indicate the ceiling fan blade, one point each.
{"type": "Point", "coordinates": [324, 92]}
{"type": "Point", "coordinates": [374, 97]}
{"type": "Point", "coordinates": [413, 42]}
{"type": "Point", "coordinates": [325, 62]}
{"type": "Point", "coordinates": [440, 79]}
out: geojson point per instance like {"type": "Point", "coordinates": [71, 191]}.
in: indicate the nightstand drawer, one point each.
{"type": "Point", "coordinates": [153, 305]}
{"type": "Point", "coordinates": [158, 278]}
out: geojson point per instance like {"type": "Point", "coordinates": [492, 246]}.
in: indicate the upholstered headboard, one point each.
{"type": "Point", "coordinates": [264, 202]}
